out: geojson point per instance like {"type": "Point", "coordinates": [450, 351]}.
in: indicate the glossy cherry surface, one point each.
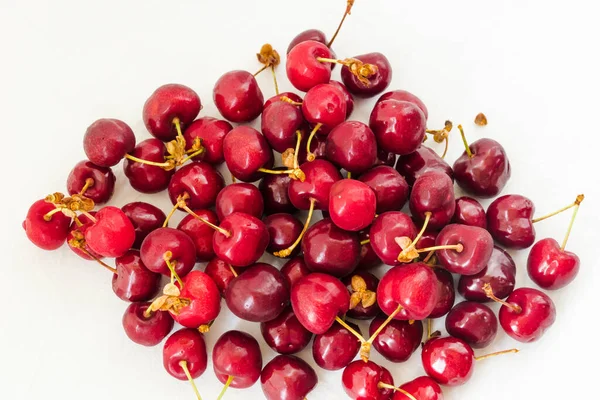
{"type": "Point", "coordinates": [245, 151]}
{"type": "Point", "coordinates": [378, 82]}
{"type": "Point", "coordinates": [146, 330]}
{"type": "Point", "coordinates": [368, 257]}
{"type": "Point", "coordinates": [352, 146]}
{"type": "Point", "coordinates": [551, 267]}
{"type": "Point", "coordinates": [200, 180]}
{"type": "Point", "coordinates": [285, 334]}
{"type": "Point", "coordinates": [103, 186]}
{"type": "Point", "coordinates": [145, 218]}
{"type": "Point", "coordinates": [237, 354]}
{"type": "Point", "coordinates": [148, 178]}
{"type": "Point", "coordinates": [112, 234]}
{"type": "Point", "coordinates": [274, 191]}
{"type": "Point", "coordinates": [107, 140]}
{"type": "Point", "coordinates": [391, 189]}
{"type": "Point", "coordinates": [284, 229]}
{"type": "Point", "coordinates": [399, 126]}
{"type": "Point", "coordinates": [477, 245]}
{"type": "Point", "coordinates": [347, 96]}
{"type": "Point", "coordinates": [241, 197]}
{"type": "Point", "coordinates": [238, 96]}
{"type": "Point", "coordinates": [422, 160]}
{"type": "Point", "coordinates": [352, 204]}
{"type": "Point", "coordinates": [433, 192]}
{"type": "Point", "coordinates": [47, 235]}
{"type": "Point", "coordinates": [279, 123]}
{"type": "Point", "coordinates": [475, 323]}
{"type": "Point", "coordinates": [294, 269]}
{"type": "Point", "coordinates": [537, 314]}
{"type": "Point", "coordinates": [398, 340]}
{"type": "Point", "coordinates": [287, 377]}
{"type": "Point", "coordinates": [446, 293]}
{"type": "Point", "coordinates": [247, 241]}
{"type": "Point", "coordinates": [385, 229]}
{"type": "Point", "coordinates": [185, 345]}
{"type": "Point", "coordinates": [320, 177]}
{"type": "Point", "coordinates": [324, 104]}
{"type": "Point", "coordinates": [363, 283]}
{"type": "Point", "coordinates": [204, 300]}
{"type": "Point", "coordinates": [469, 211]}
{"type": "Point", "coordinates": [309, 34]}
{"type": "Point", "coordinates": [509, 221]}
{"type": "Point", "coordinates": [200, 233]}
{"type": "Point", "coordinates": [361, 381]}
{"type": "Point", "coordinates": [220, 272]}
{"type": "Point", "coordinates": [403, 95]}
{"type": "Point", "coordinates": [211, 132]}
{"type": "Point", "coordinates": [303, 69]}
{"type": "Point", "coordinates": [449, 361]}
{"type": "Point", "coordinates": [499, 272]}
{"type": "Point", "coordinates": [422, 388]}
{"type": "Point", "coordinates": [336, 348]}
{"type": "Point", "coordinates": [163, 240]}
{"type": "Point", "coordinates": [133, 281]}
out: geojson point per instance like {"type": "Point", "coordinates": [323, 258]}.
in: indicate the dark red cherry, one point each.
{"type": "Point", "coordinates": [107, 141]}
{"type": "Point", "coordinates": [509, 221]}
{"type": "Point", "coordinates": [247, 241]}
{"type": "Point", "coordinates": [499, 272]}
{"type": "Point", "coordinates": [446, 293]}
{"type": "Point", "coordinates": [347, 95]}
{"type": "Point", "coordinates": [362, 286]}
{"type": "Point", "coordinates": [329, 249]}
{"type": "Point", "coordinates": [103, 186]}
{"type": "Point", "coordinates": [385, 158]}
{"type": "Point", "coordinates": [550, 266]}
{"type": "Point", "coordinates": [399, 126]}
{"type": "Point", "coordinates": [485, 171]}
{"type": "Point", "coordinates": [469, 212]}
{"type": "Point", "coordinates": [279, 123]}
{"type": "Point", "coordinates": [391, 189]}
{"type": "Point", "coordinates": [317, 299]}
{"type": "Point", "coordinates": [324, 104]}
{"type": "Point", "coordinates": [398, 340]}
{"type": "Point", "coordinates": [361, 381]}
{"type": "Point", "coordinates": [352, 204]}
{"type": "Point", "coordinates": [147, 330]}
{"type": "Point", "coordinates": [167, 103]}
{"type": "Point", "coordinates": [211, 132]}
{"type": "Point", "coordinates": [238, 96]}
{"type": "Point", "coordinates": [112, 234]}
{"type": "Point", "coordinates": [274, 190]}
{"type": "Point", "coordinates": [529, 314]}
{"type": "Point", "coordinates": [433, 192]}
{"type": "Point", "coordinates": [293, 270]}
{"type": "Point", "coordinates": [46, 233]}
{"type": "Point", "coordinates": [133, 281]}
{"type": "Point", "coordinates": [320, 177]}
{"type": "Point", "coordinates": [237, 354]}
{"type": "Point", "coordinates": [285, 334]}
{"type": "Point", "coordinates": [378, 82]}
{"type": "Point", "coordinates": [200, 233]}
{"type": "Point", "coordinates": [200, 180]}
{"type": "Point", "coordinates": [385, 229]}
{"type": "Point", "coordinates": [403, 95]}
{"type": "Point", "coordinates": [287, 377]}
{"type": "Point", "coordinates": [422, 388]}
{"type": "Point", "coordinates": [277, 98]}
{"type": "Point", "coordinates": [336, 348]}
{"type": "Point", "coordinates": [240, 197]}
{"type": "Point", "coordinates": [475, 323]}
{"type": "Point", "coordinates": [185, 345]}
{"type": "Point", "coordinates": [145, 218]}
{"type": "Point", "coordinates": [246, 151]}
{"type": "Point", "coordinates": [259, 294]}
{"type": "Point", "coordinates": [352, 146]}
{"type": "Point", "coordinates": [220, 272]}
{"type": "Point", "coordinates": [148, 178]}
{"type": "Point", "coordinates": [368, 257]}
{"type": "Point", "coordinates": [284, 229]}
{"type": "Point", "coordinates": [476, 246]}
{"type": "Point", "coordinates": [203, 301]}
{"type": "Point", "coordinates": [427, 239]}
{"type": "Point", "coordinates": [169, 243]}
{"type": "Point", "coordinates": [303, 69]}
{"type": "Point", "coordinates": [422, 160]}
{"type": "Point", "coordinates": [309, 34]}
{"type": "Point", "coordinates": [449, 361]}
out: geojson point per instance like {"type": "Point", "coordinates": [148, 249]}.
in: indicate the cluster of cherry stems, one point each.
{"type": "Point", "coordinates": [362, 227]}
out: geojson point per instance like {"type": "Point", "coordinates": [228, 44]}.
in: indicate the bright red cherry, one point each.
{"type": "Point", "coordinates": [303, 69]}
{"type": "Point", "coordinates": [467, 248]}
{"type": "Point", "coordinates": [200, 180]}
{"type": "Point", "coordinates": [449, 361]}
{"type": "Point", "coordinates": [433, 192]}
{"type": "Point", "coordinates": [374, 84]}
{"type": "Point", "coordinates": [237, 359]}
{"type": "Point", "coordinates": [46, 231]}
{"type": "Point", "coordinates": [287, 377]}
{"type": "Point", "coordinates": [347, 96]}
{"type": "Point", "coordinates": [391, 189]}
{"type": "Point", "coordinates": [168, 246]}
{"type": "Point", "coordinates": [324, 107]}
{"type": "Point", "coordinates": [112, 234]}
{"type": "Point", "coordinates": [509, 221]}
{"type": "Point", "coordinates": [399, 126]}
{"type": "Point", "coordinates": [362, 381]}
{"type": "Point", "coordinates": [309, 34]}
{"type": "Point", "coordinates": [475, 323]}
{"type": "Point", "coordinates": [293, 270]}
{"type": "Point", "coordinates": [147, 178]}
{"type": "Point", "coordinates": [352, 204]}
{"type": "Point", "coordinates": [403, 95]}
{"type": "Point", "coordinates": [211, 132]}
{"type": "Point", "coordinates": [246, 152]}
{"type": "Point", "coordinates": [201, 301]}
{"type": "Point", "coordinates": [422, 160]}
{"type": "Point", "coordinates": [320, 177]}
{"type": "Point", "coordinates": [185, 349]}
{"type": "Point", "coordinates": [352, 146]}
{"type": "Point", "coordinates": [550, 266]}
{"type": "Point", "coordinates": [102, 187]}
{"type": "Point", "coordinates": [241, 240]}
{"type": "Point", "coordinates": [469, 212]}
{"type": "Point", "coordinates": [200, 233]}
{"type": "Point", "coordinates": [446, 293]}
{"type": "Point", "coordinates": [221, 273]}
{"type": "Point", "coordinates": [279, 123]}
{"type": "Point", "coordinates": [285, 334]}
{"type": "Point", "coordinates": [284, 229]}
{"type": "Point", "coordinates": [499, 272]}
{"type": "Point", "coordinates": [362, 286]}
{"type": "Point", "coordinates": [384, 231]}
{"type": "Point", "coordinates": [133, 281]}
{"type": "Point", "coordinates": [145, 218]}
{"type": "Point", "coordinates": [398, 340]}
{"type": "Point", "coordinates": [147, 330]}
{"type": "Point", "coordinates": [336, 348]}
{"type": "Point", "coordinates": [422, 388]}
{"type": "Point", "coordinates": [241, 197]}
{"type": "Point", "coordinates": [238, 96]}
{"type": "Point", "coordinates": [107, 141]}
{"type": "Point", "coordinates": [274, 190]}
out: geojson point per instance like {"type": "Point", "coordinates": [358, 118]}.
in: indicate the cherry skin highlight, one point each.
{"type": "Point", "coordinates": [204, 300]}
{"type": "Point", "coordinates": [200, 233]}
{"type": "Point", "coordinates": [133, 281]}
{"type": "Point", "coordinates": [361, 381]}
{"type": "Point", "coordinates": [240, 197]}
{"type": "Point", "coordinates": [537, 314]}
{"type": "Point", "coordinates": [287, 377]}
{"type": "Point", "coordinates": [551, 267]}
{"type": "Point", "coordinates": [352, 204]}
{"type": "Point", "coordinates": [145, 218]}
{"type": "Point", "coordinates": [200, 180]}
{"type": "Point", "coordinates": [164, 240]}
{"type": "Point", "coordinates": [246, 151]}
{"type": "Point", "coordinates": [469, 211]}
{"type": "Point", "coordinates": [47, 235]}
{"type": "Point", "coordinates": [185, 345]}
{"type": "Point", "coordinates": [477, 246]}
{"type": "Point", "coordinates": [107, 141]}
{"type": "Point", "coordinates": [352, 146]}
{"type": "Point", "coordinates": [285, 334]}
{"type": "Point", "coordinates": [147, 331]}
{"type": "Point", "coordinates": [303, 69]}
{"type": "Point", "coordinates": [475, 323]}
{"type": "Point", "coordinates": [398, 340]}
{"type": "Point", "coordinates": [211, 132]}
{"type": "Point", "coordinates": [112, 234]}
{"type": "Point", "coordinates": [238, 96]}
{"type": "Point", "coordinates": [399, 126]}
{"type": "Point", "coordinates": [449, 361]}
{"type": "Point", "coordinates": [336, 348]}
{"type": "Point", "coordinates": [237, 354]}
{"type": "Point", "coordinates": [499, 273]}
{"type": "Point", "coordinates": [247, 242]}
{"type": "Point", "coordinates": [148, 178]}
{"type": "Point", "coordinates": [378, 82]}
{"type": "Point", "coordinates": [104, 181]}
{"type": "Point", "coordinates": [509, 221]}
{"type": "Point", "coordinates": [403, 95]}
{"type": "Point", "coordinates": [422, 160]}
{"type": "Point", "coordinates": [391, 189]}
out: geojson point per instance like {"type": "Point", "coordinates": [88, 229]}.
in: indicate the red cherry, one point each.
{"type": "Point", "coordinates": [391, 189]}
{"type": "Point", "coordinates": [107, 141]}
{"type": "Point", "coordinates": [274, 190]}
{"type": "Point", "coordinates": [320, 177]}
{"type": "Point", "coordinates": [200, 180]}
{"type": "Point", "coordinates": [362, 285]}
{"type": "Point", "coordinates": [203, 301]}
{"type": "Point", "coordinates": [221, 273]}
{"type": "Point", "coordinates": [336, 348]}
{"type": "Point", "coordinates": [112, 234]}
{"type": "Point", "coordinates": [403, 95]}
{"type": "Point", "coordinates": [147, 330]}
{"type": "Point", "coordinates": [449, 361]}
{"type": "Point", "coordinates": [316, 148]}
{"type": "Point", "coordinates": [475, 323]}
{"type": "Point", "coordinates": [238, 96]}
{"type": "Point", "coordinates": [352, 146]}
{"type": "Point", "coordinates": [347, 95]}
{"type": "Point", "coordinates": [509, 221]}
{"type": "Point", "coordinates": [362, 381]}
{"type": "Point", "coordinates": [377, 82]}
{"type": "Point", "coordinates": [169, 244]}
{"type": "Point", "coordinates": [324, 104]}
{"type": "Point", "coordinates": [385, 158]}
{"type": "Point", "coordinates": [279, 123]}
{"type": "Point", "coordinates": [247, 241]}
{"type": "Point", "coordinates": [285, 334]}
{"type": "Point", "coordinates": [240, 197]}
{"type": "Point", "coordinates": [309, 34]}
{"type": "Point", "coordinates": [499, 272]}
{"type": "Point", "coordinates": [352, 204]}
{"type": "Point", "coordinates": [148, 178]}
{"type": "Point", "coordinates": [398, 340]}
{"type": "Point", "coordinates": [200, 233]}
{"type": "Point", "coordinates": [102, 187]}
{"type": "Point", "coordinates": [287, 377]}
{"type": "Point", "coordinates": [187, 347]}
{"type": "Point", "coordinates": [399, 126]}
{"type": "Point", "coordinates": [422, 160]}
{"type": "Point", "coordinates": [145, 218]}
{"type": "Point", "coordinates": [212, 132]}
{"type": "Point", "coordinates": [133, 281]}
{"type": "Point", "coordinates": [168, 106]}
{"type": "Point", "coordinates": [293, 270]}
{"type": "Point", "coordinates": [550, 266]}
{"type": "Point", "coordinates": [469, 211]}
{"type": "Point", "coordinates": [284, 229]}
{"type": "Point", "coordinates": [237, 359]}
{"type": "Point", "coordinates": [422, 388]}
{"type": "Point", "coordinates": [47, 233]}
{"type": "Point", "coordinates": [446, 293]}
{"type": "Point", "coordinates": [246, 151]}
{"type": "Point", "coordinates": [368, 257]}
{"type": "Point", "coordinates": [433, 192]}
{"type": "Point", "coordinates": [474, 250]}
{"type": "Point", "coordinates": [385, 229]}
{"type": "Point", "coordinates": [303, 69]}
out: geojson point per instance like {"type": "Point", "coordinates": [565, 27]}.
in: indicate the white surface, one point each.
{"type": "Point", "coordinates": [531, 66]}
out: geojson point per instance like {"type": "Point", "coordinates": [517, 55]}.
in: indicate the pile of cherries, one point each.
{"type": "Point", "coordinates": [326, 282]}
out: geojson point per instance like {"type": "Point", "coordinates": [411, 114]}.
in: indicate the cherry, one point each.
{"type": "Point", "coordinates": [315, 149]}
{"type": "Point", "coordinates": [324, 107]}
{"type": "Point", "coordinates": [347, 96]}
{"type": "Point", "coordinates": [221, 273]}
{"type": "Point", "coordinates": [168, 250]}
{"type": "Point", "coordinates": [374, 84]}
{"type": "Point", "coordinates": [287, 377]}
{"type": "Point", "coordinates": [145, 218]}
{"type": "Point", "coordinates": [384, 231]}
{"type": "Point", "coordinates": [133, 281]}
{"type": "Point", "coordinates": [422, 160]}
{"type": "Point", "coordinates": [446, 293]}
{"type": "Point", "coordinates": [247, 153]}
{"type": "Point", "coordinates": [76, 241]}
{"type": "Point", "coordinates": [499, 273]}
{"type": "Point", "coordinates": [410, 291]}
{"type": "Point", "coordinates": [284, 96]}
{"type": "Point", "coordinates": [293, 270]}
{"type": "Point", "coordinates": [368, 257]}
{"type": "Point", "coordinates": [211, 132]}
{"type": "Point", "coordinates": [46, 231]}
{"type": "Point", "coordinates": [237, 360]}
{"type": "Point", "coordinates": [184, 356]}
{"type": "Point", "coordinates": [200, 180]}
{"type": "Point", "coordinates": [483, 169]}
{"type": "Point", "coordinates": [422, 388]}
{"type": "Point", "coordinates": [146, 330]}
{"type": "Point", "coordinates": [279, 123]}
{"type": "Point", "coordinates": [352, 204]}
{"type": "Point", "coordinates": [466, 249]}
{"type": "Point", "coordinates": [336, 348]}
{"type": "Point", "coordinates": [274, 190]}
{"type": "Point", "coordinates": [318, 300]}
{"type": "Point", "coordinates": [112, 234]}
{"type": "Point", "coordinates": [107, 141]}
{"type": "Point", "coordinates": [238, 96]}
{"type": "Point", "coordinates": [367, 381]}
{"type": "Point", "coordinates": [147, 178]}
{"type": "Point", "coordinates": [241, 197]}
{"type": "Point", "coordinates": [449, 361]}
{"type": "Point", "coordinates": [469, 211]}
{"type": "Point", "coordinates": [352, 146]}
{"type": "Point", "coordinates": [385, 158]}
{"type": "Point", "coordinates": [399, 126]}
{"type": "Point", "coordinates": [475, 323]}
{"type": "Point", "coordinates": [198, 302]}
{"type": "Point", "coordinates": [200, 233]}
{"type": "Point", "coordinates": [403, 95]}
{"type": "Point", "coordinates": [303, 68]}
{"type": "Point", "coordinates": [259, 294]}
{"type": "Point", "coordinates": [391, 189]}
{"type": "Point", "coordinates": [398, 340]}
{"type": "Point", "coordinates": [168, 109]}
{"type": "Point", "coordinates": [94, 182]}
{"type": "Point", "coordinates": [433, 192]}
{"type": "Point", "coordinates": [309, 34]}
{"type": "Point", "coordinates": [284, 229]}
{"type": "Point", "coordinates": [285, 334]}
{"type": "Point", "coordinates": [241, 239]}
{"type": "Point", "coordinates": [362, 286]}
{"type": "Point", "coordinates": [329, 249]}
{"type": "Point", "coordinates": [509, 220]}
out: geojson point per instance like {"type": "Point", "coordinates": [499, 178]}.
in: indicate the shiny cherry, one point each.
{"type": "Point", "coordinates": [133, 281]}
{"type": "Point", "coordinates": [475, 248]}
{"type": "Point", "coordinates": [220, 272]}
{"type": "Point", "coordinates": [475, 323]}
{"type": "Point", "coordinates": [211, 132]}
{"type": "Point", "coordinates": [238, 96]}
{"type": "Point", "coordinates": [446, 293]}
{"type": "Point", "coordinates": [200, 233]}
{"type": "Point", "coordinates": [469, 211]}
{"type": "Point", "coordinates": [274, 190]}
{"type": "Point", "coordinates": [361, 381]}
{"type": "Point", "coordinates": [106, 142]}
{"type": "Point", "coordinates": [403, 95]}
{"type": "Point", "coordinates": [347, 96]}
{"type": "Point", "coordinates": [433, 192]}
{"type": "Point", "coordinates": [246, 151]}
{"type": "Point", "coordinates": [279, 123]}
{"type": "Point", "coordinates": [509, 221]}
{"type": "Point", "coordinates": [527, 314]}
{"type": "Point", "coordinates": [303, 69]}
{"type": "Point", "coordinates": [46, 232]}
{"type": "Point", "coordinates": [172, 244]}
{"type": "Point", "coordinates": [284, 229]}
{"type": "Point", "coordinates": [145, 218]}
{"type": "Point", "coordinates": [422, 388]}
{"type": "Point", "coordinates": [241, 197]}
{"type": "Point", "coordinates": [550, 266]}
{"type": "Point", "coordinates": [368, 257]}
{"type": "Point", "coordinates": [352, 146]}
{"type": "Point", "coordinates": [324, 104]}
{"type": "Point", "coordinates": [377, 83]}
{"type": "Point", "coordinates": [112, 234]}
{"type": "Point", "coordinates": [293, 270]}
{"type": "Point", "coordinates": [336, 348]}
{"type": "Point", "coordinates": [203, 301]}
{"type": "Point", "coordinates": [320, 177]}
{"type": "Point", "coordinates": [422, 160]}
{"type": "Point", "coordinates": [309, 34]}
{"type": "Point", "coordinates": [399, 126]}
{"type": "Point", "coordinates": [102, 187]}
{"type": "Point", "coordinates": [287, 377]}
{"type": "Point", "coordinates": [352, 204]}
{"type": "Point", "coordinates": [362, 286]}
{"type": "Point", "coordinates": [247, 241]}
{"type": "Point", "coordinates": [285, 334]}
{"type": "Point", "coordinates": [391, 189]}
{"type": "Point", "coordinates": [499, 272]}
{"type": "Point", "coordinates": [398, 340]}
{"type": "Point", "coordinates": [385, 229]}
{"type": "Point", "coordinates": [147, 330]}
{"type": "Point", "coordinates": [200, 180]}
{"type": "Point", "coordinates": [185, 346]}
{"type": "Point", "coordinates": [449, 361]}
{"type": "Point", "coordinates": [148, 178]}
{"type": "Point", "coordinates": [237, 354]}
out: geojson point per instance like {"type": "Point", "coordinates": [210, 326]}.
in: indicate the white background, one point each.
{"type": "Point", "coordinates": [531, 66]}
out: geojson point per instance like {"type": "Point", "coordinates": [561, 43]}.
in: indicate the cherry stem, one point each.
{"type": "Point", "coordinates": [428, 257]}
{"type": "Point", "coordinates": [286, 252]}
{"type": "Point", "coordinates": [310, 155]}
{"type": "Point", "coordinates": [297, 149]}
{"type": "Point", "coordinates": [349, 5]}
{"type": "Point", "coordinates": [105, 265]}
{"type": "Point", "coordinates": [48, 216]}
{"type": "Point", "coordinates": [429, 327]}
{"type": "Point", "coordinates": [177, 123]}
{"type": "Point", "coordinates": [489, 292]}
{"type": "Point", "coordinates": [286, 99]}
{"type": "Point", "coordinates": [498, 353]}
{"type": "Point", "coordinates": [446, 147]}
{"type": "Point", "coordinates": [366, 241]}
{"type": "Point", "coordinates": [229, 380]}
{"type": "Point", "coordinates": [464, 139]}
{"type": "Point", "coordinates": [261, 70]}
{"type": "Point", "coordinates": [90, 216]}
{"type": "Point", "coordinates": [194, 154]}
{"type": "Point", "coordinates": [199, 218]}
{"type": "Point", "coordinates": [166, 223]}
{"type": "Point", "coordinates": [349, 176]}
{"type": "Point", "coordinates": [275, 80]}
{"type": "Point", "coordinates": [566, 239]}
{"type": "Point", "coordinates": [417, 238]}
{"type": "Point", "coordinates": [385, 323]}
{"type": "Point", "coordinates": [77, 221]}
{"type": "Point", "coordinates": [89, 182]}
{"type": "Point", "coordinates": [235, 274]}
{"type": "Point", "coordinates": [458, 247]}
{"type": "Point", "coordinates": [577, 201]}
{"type": "Point", "coordinates": [382, 385]}
{"type": "Point", "coordinates": [186, 371]}
{"type": "Point", "coordinates": [276, 172]}
{"type": "Point", "coordinates": [142, 161]}
{"type": "Point", "coordinates": [349, 328]}
{"type": "Point", "coordinates": [167, 257]}
{"type": "Point", "coordinates": [233, 180]}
